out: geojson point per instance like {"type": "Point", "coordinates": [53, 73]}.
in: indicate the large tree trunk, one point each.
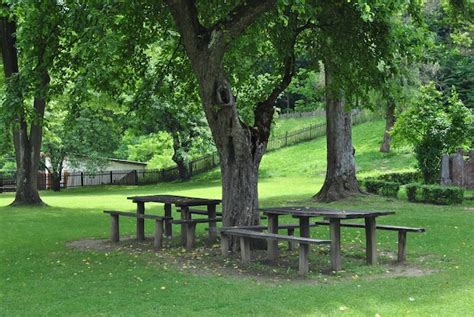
{"type": "Point", "coordinates": [240, 151]}
{"type": "Point", "coordinates": [27, 150]}
{"type": "Point", "coordinates": [341, 181]}
{"type": "Point", "coordinates": [389, 122]}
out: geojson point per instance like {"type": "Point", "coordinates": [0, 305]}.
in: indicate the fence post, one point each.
{"type": "Point", "coordinates": [82, 179]}
{"type": "Point", "coordinates": [111, 177]}
{"type": "Point", "coordinates": [136, 177]}
{"type": "Point", "coordinates": [286, 138]}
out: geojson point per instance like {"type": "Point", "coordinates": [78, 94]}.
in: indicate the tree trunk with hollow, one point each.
{"type": "Point", "coordinates": [240, 146]}
{"type": "Point", "coordinates": [341, 181]}
{"type": "Point", "coordinates": [389, 122]}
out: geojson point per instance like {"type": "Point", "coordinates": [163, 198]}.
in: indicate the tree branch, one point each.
{"type": "Point", "coordinates": [242, 16]}
{"type": "Point", "coordinates": [185, 16]}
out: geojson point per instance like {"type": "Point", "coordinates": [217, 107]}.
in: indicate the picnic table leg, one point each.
{"type": "Point", "coordinates": [168, 227]}
{"type": "Point", "coordinates": [211, 211]}
{"type": "Point", "coordinates": [140, 221]}
{"type": "Point", "coordinates": [158, 234]}
{"type": "Point", "coordinates": [335, 233]}
{"type": "Point", "coordinates": [370, 240]}
{"type": "Point", "coordinates": [402, 242]}
{"type": "Point", "coordinates": [304, 248]}
{"type": "Point", "coordinates": [185, 215]}
{"type": "Point", "coordinates": [272, 244]}
{"type": "Point", "coordinates": [114, 228]}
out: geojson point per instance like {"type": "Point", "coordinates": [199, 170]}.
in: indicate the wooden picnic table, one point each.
{"type": "Point", "coordinates": [179, 201]}
{"type": "Point", "coordinates": [334, 216]}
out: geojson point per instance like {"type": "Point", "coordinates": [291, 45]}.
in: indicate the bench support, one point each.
{"type": "Point", "coordinates": [371, 245]}
{"type": "Point", "coordinates": [304, 248]}
{"type": "Point", "coordinates": [168, 227]}
{"type": "Point", "coordinates": [335, 235]}
{"type": "Point", "coordinates": [211, 212]}
{"type": "Point", "coordinates": [272, 245]}
{"type": "Point", "coordinates": [158, 234]}
{"type": "Point", "coordinates": [140, 221]}
{"type": "Point", "coordinates": [224, 244]}
{"type": "Point", "coordinates": [291, 244]}
{"type": "Point", "coordinates": [190, 235]}
{"type": "Point", "coordinates": [185, 215]}
{"type": "Point", "coordinates": [114, 228]}
{"type": "Point", "coordinates": [402, 242]}
{"type": "Point", "coordinates": [245, 250]}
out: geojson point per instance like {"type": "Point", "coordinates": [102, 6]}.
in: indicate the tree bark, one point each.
{"type": "Point", "coordinates": [27, 150]}
{"type": "Point", "coordinates": [341, 181]}
{"type": "Point", "coordinates": [389, 122]}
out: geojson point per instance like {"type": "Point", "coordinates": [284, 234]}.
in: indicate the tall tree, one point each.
{"type": "Point", "coordinates": [357, 44]}
{"type": "Point", "coordinates": [27, 73]}
{"type": "Point", "coordinates": [240, 145]}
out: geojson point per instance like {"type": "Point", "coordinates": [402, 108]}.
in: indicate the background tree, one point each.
{"type": "Point", "coordinates": [85, 139]}
{"type": "Point", "coordinates": [29, 50]}
{"type": "Point", "coordinates": [434, 124]}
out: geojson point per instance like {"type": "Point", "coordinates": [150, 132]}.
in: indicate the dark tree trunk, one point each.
{"type": "Point", "coordinates": [341, 181]}
{"type": "Point", "coordinates": [389, 122]}
{"type": "Point", "coordinates": [56, 182]}
{"type": "Point", "coordinates": [27, 149]}
{"type": "Point", "coordinates": [240, 147]}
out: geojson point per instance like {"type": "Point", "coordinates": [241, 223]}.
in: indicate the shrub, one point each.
{"type": "Point", "coordinates": [402, 178]}
{"type": "Point", "coordinates": [390, 189]}
{"type": "Point", "coordinates": [383, 188]}
{"type": "Point", "coordinates": [411, 192]}
{"type": "Point", "coordinates": [434, 194]}
{"type": "Point", "coordinates": [442, 195]}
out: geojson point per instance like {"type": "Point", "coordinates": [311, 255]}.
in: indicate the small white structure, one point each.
{"type": "Point", "coordinates": [116, 171]}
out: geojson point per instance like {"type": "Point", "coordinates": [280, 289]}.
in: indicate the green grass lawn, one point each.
{"type": "Point", "coordinates": [41, 275]}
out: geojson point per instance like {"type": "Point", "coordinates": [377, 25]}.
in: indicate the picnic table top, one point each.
{"type": "Point", "coordinates": [176, 200]}
{"type": "Point", "coordinates": [324, 212]}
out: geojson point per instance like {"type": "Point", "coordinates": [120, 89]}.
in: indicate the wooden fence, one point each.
{"type": "Point", "coordinates": [153, 176]}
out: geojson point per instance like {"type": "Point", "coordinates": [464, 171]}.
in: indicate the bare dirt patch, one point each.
{"type": "Point", "coordinates": [206, 259]}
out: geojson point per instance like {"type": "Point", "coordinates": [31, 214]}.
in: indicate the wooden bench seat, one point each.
{"type": "Point", "coordinates": [289, 227]}
{"type": "Point", "coordinates": [200, 212]}
{"type": "Point", "coordinates": [245, 236]}
{"type": "Point", "coordinates": [115, 231]}
{"type": "Point", "coordinates": [402, 234]}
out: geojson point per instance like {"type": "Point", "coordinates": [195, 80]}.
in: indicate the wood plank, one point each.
{"type": "Point", "coordinates": [335, 234]}
{"type": "Point", "coordinates": [379, 227]}
{"type": "Point", "coordinates": [224, 244]}
{"type": "Point", "coordinates": [198, 220]}
{"type": "Point", "coordinates": [371, 241]}
{"type": "Point", "coordinates": [190, 235]}
{"type": "Point", "coordinates": [270, 236]}
{"type": "Point", "coordinates": [185, 216]}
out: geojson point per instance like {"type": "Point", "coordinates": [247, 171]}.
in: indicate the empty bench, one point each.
{"type": "Point", "coordinates": [290, 228]}
{"type": "Point", "coordinates": [402, 234]}
{"type": "Point", "coordinates": [246, 235]}
{"type": "Point", "coordinates": [114, 225]}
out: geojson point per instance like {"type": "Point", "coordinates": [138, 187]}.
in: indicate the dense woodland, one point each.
{"type": "Point", "coordinates": [168, 81]}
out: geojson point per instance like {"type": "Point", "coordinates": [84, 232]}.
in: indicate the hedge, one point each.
{"type": "Point", "coordinates": [434, 194]}
{"type": "Point", "coordinates": [382, 187]}
{"type": "Point", "coordinates": [402, 178]}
